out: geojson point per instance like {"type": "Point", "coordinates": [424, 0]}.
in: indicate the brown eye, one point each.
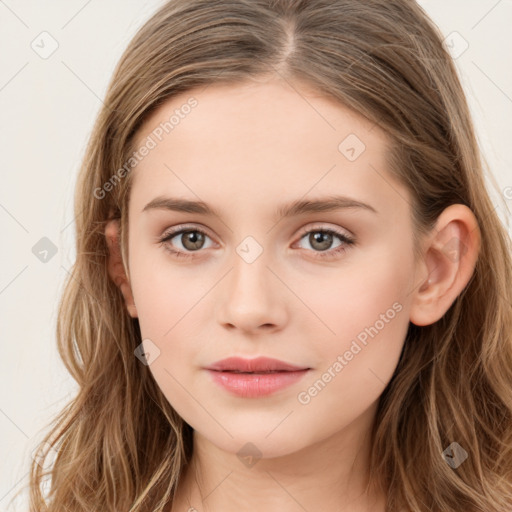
{"type": "Point", "coordinates": [192, 240]}
{"type": "Point", "coordinates": [320, 240]}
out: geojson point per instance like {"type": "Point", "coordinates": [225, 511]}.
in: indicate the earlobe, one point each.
{"type": "Point", "coordinates": [115, 265]}
{"type": "Point", "coordinates": [449, 261]}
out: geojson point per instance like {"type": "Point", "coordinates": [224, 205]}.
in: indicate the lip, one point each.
{"type": "Point", "coordinates": [267, 375]}
{"type": "Point", "coordinates": [258, 364]}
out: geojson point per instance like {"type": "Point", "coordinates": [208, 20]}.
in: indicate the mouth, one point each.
{"type": "Point", "coordinates": [257, 373]}
{"type": "Point", "coordinates": [259, 365]}
{"type": "Point", "coordinates": [257, 377]}
{"type": "Point", "coordinates": [251, 384]}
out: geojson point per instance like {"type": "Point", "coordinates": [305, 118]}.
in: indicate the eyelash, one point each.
{"type": "Point", "coordinates": [347, 241]}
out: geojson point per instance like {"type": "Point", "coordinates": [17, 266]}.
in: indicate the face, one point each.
{"type": "Point", "coordinates": [322, 288]}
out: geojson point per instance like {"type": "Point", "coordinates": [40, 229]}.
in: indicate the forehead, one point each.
{"type": "Point", "coordinates": [258, 143]}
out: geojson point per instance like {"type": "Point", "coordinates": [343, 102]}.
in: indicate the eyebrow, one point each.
{"type": "Point", "coordinates": [298, 207]}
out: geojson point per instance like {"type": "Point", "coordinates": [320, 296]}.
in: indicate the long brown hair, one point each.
{"type": "Point", "coordinates": [119, 443]}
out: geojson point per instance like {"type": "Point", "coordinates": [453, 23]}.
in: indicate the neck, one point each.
{"type": "Point", "coordinates": [329, 475]}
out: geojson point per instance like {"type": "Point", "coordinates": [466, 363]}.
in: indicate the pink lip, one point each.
{"type": "Point", "coordinates": [268, 375]}
{"type": "Point", "coordinates": [258, 364]}
{"type": "Point", "coordinates": [251, 385]}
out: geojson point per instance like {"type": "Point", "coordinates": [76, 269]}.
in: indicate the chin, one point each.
{"type": "Point", "coordinates": [256, 442]}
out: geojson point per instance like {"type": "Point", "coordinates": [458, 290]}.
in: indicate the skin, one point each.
{"type": "Point", "coordinates": [246, 150]}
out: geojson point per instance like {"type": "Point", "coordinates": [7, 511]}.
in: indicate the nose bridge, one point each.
{"type": "Point", "coordinates": [250, 275]}
{"type": "Point", "coordinates": [251, 297]}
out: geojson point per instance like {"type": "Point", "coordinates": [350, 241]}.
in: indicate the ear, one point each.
{"type": "Point", "coordinates": [450, 256]}
{"type": "Point", "coordinates": [115, 265]}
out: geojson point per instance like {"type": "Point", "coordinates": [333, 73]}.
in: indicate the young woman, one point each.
{"type": "Point", "coordinates": [292, 291]}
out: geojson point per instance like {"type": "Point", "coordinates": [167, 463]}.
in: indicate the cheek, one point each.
{"type": "Point", "coordinates": [366, 285]}
{"type": "Point", "coordinates": [170, 311]}
{"type": "Point", "coordinates": [363, 317]}
{"type": "Point", "coordinates": [174, 309]}
{"type": "Point", "coordinates": [360, 300]}
{"type": "Point", "coordinates": [368, 314]}
{"type": "Point", "coordinates": [164, 292]}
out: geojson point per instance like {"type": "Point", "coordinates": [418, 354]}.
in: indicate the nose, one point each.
{"type": "Point", "coordinates": [252, 297]}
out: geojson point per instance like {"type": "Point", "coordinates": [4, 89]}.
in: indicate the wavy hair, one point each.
{"type": "Point", "coordinates": [119, 444]}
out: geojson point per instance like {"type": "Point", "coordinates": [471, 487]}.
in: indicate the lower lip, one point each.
{"type": "Point", "coordinates": [250, 385]}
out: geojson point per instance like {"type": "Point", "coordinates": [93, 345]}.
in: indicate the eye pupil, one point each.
{"type": "Point", "coordinates": [196, 238]}
{"type": "Point", "coordinates": [324, 239]}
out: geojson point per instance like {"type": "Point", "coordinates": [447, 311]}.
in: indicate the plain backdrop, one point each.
{"type": "Point", "coordinates": [48, 104]}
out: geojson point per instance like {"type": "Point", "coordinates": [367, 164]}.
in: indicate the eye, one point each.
{"type": "Point", "coordinates": [322, 240]}
{"type": "Point", "coordinates": [191, 240]}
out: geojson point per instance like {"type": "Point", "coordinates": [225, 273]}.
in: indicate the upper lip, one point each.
{"type": "Point", "coordinates": [258, 364]}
